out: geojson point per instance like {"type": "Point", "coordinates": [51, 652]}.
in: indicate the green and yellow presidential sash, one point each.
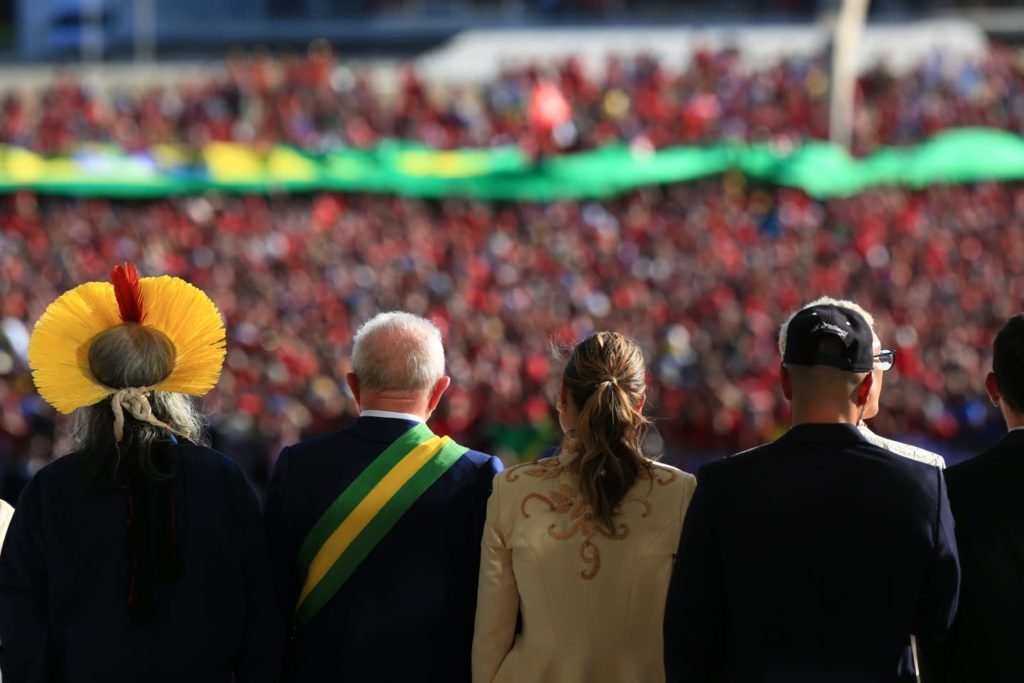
{"type": "Point", "coordinates": [365, 511]}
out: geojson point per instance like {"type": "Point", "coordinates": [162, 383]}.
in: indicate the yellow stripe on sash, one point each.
{"type": "Point", "coordinates": [368, 507]}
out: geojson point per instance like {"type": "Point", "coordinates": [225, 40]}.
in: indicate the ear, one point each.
{"type": "Point", "coordinates": [992, 387]}
{"type": "Point", "coordinates": [353, 385]}
{"type": "Point", "coordinates": [787, 383]}
{"type": "Point", "coordinates": [640, 403]}
{"type": "Point", "coordinates": [863, 391]}
{"type": "Point", "coordinates": [438, 391]}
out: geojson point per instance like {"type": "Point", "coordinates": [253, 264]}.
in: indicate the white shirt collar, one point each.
{"type": "Point", "coordinates": [391, 415]}
{"type": "Point", "coordinates": [1016, 428]}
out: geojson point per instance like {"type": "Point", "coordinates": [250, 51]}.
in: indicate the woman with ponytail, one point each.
{"type": "Point", "coordinates": [140, 555]}
{"type": "Point", "coordinates": [578, 549]}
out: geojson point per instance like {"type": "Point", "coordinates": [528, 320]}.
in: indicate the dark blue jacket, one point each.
{"type": "Point", "coordinates": [406, 613]}
{"type": "Point", "coordinates": [810, 559]}
{"type": "Point", "coordinates": [64, 583]}
{"type": "Point", "coordinates": [984, 493]}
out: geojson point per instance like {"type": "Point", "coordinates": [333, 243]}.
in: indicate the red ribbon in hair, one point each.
{"type": "Point", "coordinates": [128, 292]}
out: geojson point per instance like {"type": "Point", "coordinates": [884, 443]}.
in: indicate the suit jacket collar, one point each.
{"type": "Point", "coordinates": [830, 433]}
{"type": "Point", "coordinates": [382, 429]}
{"type": "Point", "coordinates": [392, 414]}
{"type": "Point", "coordinates": [1013, 440]}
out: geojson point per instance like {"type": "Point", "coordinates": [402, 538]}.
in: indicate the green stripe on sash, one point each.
{"type": "Point", "coordinates": [344, 504]}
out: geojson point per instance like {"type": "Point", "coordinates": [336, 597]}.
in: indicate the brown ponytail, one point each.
{"type": "Point", "coordinates": [604, 379]}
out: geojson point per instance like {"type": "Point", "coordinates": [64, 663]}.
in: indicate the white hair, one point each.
{"type": "Point", "coordinates": [825, 301]}
{"type": "Point", "coordinates": [398, 351]}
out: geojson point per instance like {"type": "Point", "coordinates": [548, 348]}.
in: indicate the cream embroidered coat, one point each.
{"type": "Point", "coordinates": [592, 604]}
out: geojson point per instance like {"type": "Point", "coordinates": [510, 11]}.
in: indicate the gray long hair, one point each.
{"type": "Point", "coordinates": [132, 355]}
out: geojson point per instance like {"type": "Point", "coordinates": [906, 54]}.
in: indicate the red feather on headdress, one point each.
{"type": "Point", "coordinates": [128, 292]}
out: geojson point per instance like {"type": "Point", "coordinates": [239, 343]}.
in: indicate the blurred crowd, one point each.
{"type": "Point", "coordinates": [701, 274]}
{"type": "Point", "coordinates": [317, 100]}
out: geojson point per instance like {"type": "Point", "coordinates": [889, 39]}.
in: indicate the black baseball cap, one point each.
{"type": "Point", "coordinates": [849, 327]}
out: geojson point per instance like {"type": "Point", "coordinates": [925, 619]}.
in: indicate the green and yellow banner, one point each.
{"type": "Point", "coordinates": [504, 173]}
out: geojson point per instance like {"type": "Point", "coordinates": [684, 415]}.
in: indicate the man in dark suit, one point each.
{"type": "Point", "coordinates": [375, 567]}
{"type": "Point", "coordinates": [884, 360]}
{"type": "Point", "coordinates": [812, 558]}
{"type": "Point", "coordinates": [984, 493]}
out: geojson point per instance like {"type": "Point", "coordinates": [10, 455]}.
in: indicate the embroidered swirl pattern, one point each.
{"type": "Point", "coordinates": [567, 501]}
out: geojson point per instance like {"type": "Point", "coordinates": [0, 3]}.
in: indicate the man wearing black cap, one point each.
{"type": "Point", "coordinates": [884, 360]}
{"type": "Point", "coordinates": [812, 558]}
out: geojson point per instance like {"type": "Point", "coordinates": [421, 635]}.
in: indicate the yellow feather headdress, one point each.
{"type": "Point", "coordinates": [58, 351]}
